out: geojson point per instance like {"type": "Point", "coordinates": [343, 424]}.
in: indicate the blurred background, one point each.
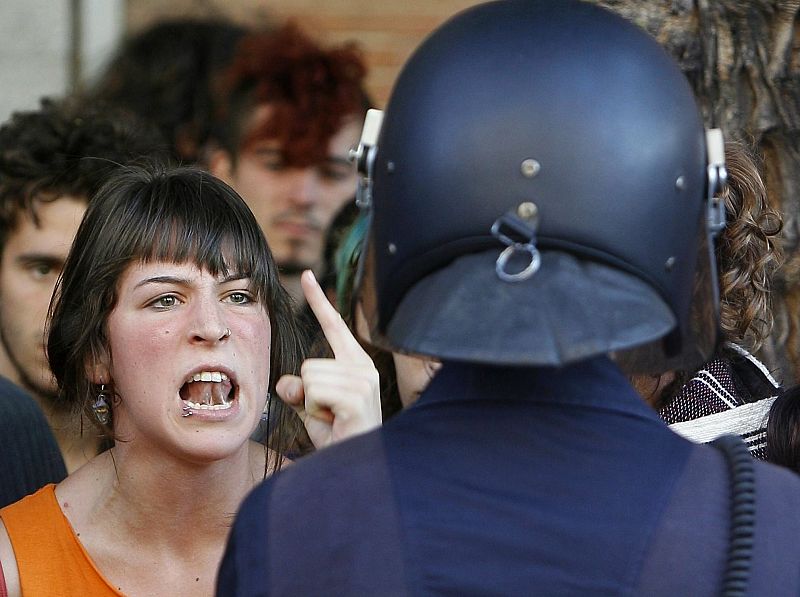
{"type": "Point", "coordinates": [54, 46]}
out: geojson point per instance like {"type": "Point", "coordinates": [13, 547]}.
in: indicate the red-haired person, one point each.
{"type": "Point", "coordinates": [290, 110]}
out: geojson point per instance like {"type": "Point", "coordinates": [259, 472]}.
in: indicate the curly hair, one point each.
{"type": "Point", "coordinates": [64, 148]}
{"type": "Point", "coordinates": [748, 252]}
{"type": "Point", "coordinates": [311, 91]}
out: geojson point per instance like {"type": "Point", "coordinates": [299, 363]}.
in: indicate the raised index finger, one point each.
{"type": "Point", "coordinates": [342, 341]}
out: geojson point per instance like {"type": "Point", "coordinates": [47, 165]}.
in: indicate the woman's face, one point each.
{"type": "Point", "coordinates": [172, 354]}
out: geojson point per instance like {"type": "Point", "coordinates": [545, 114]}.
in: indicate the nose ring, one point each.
{"type": "Point", "coordinates": [227, 333]}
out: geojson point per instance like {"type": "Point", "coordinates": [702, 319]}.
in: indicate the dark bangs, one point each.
{"type": "Point", "coordinates": [186, 215]}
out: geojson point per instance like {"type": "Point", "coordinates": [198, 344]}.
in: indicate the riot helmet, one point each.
{"type": "Point", "coordinates": [540, 191]}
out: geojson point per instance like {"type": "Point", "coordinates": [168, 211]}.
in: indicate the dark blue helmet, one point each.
{"type": "Point", "coordinates": [540, 194]}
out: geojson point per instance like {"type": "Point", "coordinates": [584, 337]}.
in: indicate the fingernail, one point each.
{"type": "Point", "coordinates": [294, 388]}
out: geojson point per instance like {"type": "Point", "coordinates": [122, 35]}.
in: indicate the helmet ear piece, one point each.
{"type": "Point", "coordinates": [364, 156]}
{"type": "Point", "coordinates": [717, 181]}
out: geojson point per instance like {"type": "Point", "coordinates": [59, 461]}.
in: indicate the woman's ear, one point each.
{"type": "Point", "coordinates": [98, 371]}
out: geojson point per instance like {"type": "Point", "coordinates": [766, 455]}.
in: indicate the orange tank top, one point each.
{"type": "Point", "coordinates": [50, 558]}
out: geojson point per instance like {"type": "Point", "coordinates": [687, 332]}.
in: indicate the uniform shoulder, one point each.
{"type": "Point", "coordinates": [778, 485]}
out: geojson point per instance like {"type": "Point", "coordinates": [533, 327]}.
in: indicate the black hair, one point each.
{"type": "Point", "coordinates": [65, 148]}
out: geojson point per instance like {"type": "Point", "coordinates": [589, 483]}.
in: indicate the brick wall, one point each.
{"type": "Point", "coordinates": [387, 31]}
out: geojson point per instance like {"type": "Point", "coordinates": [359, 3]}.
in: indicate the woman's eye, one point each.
{"type": "Point", "coordinates": [240, 298]}
{"type": "Point", "coordinates": [165, 302]}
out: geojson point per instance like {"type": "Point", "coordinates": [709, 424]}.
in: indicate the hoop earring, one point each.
{"type": "Point", "coordinates": [100, 408]}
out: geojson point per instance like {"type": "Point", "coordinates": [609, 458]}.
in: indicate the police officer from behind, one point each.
{"type": "Point", "coordinates": [542, 211]}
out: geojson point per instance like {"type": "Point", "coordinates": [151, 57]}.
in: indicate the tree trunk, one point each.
{"type": "Point", "coordinates": [743, 62]}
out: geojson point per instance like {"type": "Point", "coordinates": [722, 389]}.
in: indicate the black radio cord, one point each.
{"type": "Point", "coordinates": [743, 515]}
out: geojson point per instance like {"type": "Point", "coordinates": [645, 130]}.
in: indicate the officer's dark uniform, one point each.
{"type": "Point", "coordinates": [542, 195]}
{"type": "Point", "coordinates": [30, 455]}
{"type": "Point", "coordinates": [511, 482]}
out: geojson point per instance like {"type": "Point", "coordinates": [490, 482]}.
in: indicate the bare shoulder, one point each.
{"type": "Point", "coordinates": [9, 563]}
{"type": "Point", "coordinates": [87, 476]}
{"type": "Point", "coordinates": [79, 494]}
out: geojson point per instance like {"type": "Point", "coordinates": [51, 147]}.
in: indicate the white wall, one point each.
{"type": "Point", "coordinates": [34, 37]}
{"type": "Point", "coordinates": [35, 41]}
{"type": "Point", "coordinates": [103, 28]}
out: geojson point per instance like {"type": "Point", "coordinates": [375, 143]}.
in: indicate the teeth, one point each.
{"type": "Point", "coordinates": [196, 406]}
{"type": "Point", "coordinates": [211, 393]}
{"type": "Point", "coordinates": [215, 376]}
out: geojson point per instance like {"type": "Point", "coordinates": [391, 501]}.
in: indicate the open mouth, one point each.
{"type": "Point", "coordinates": [208, 390]}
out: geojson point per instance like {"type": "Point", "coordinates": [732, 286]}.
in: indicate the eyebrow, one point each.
{"type": "Point", "coordinates": [47, 258]}
{"type": "Point", "coordinates": [185, 281]}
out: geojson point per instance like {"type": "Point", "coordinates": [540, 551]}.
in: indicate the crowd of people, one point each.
{"type": "Point", "coordinates": [522, 362]}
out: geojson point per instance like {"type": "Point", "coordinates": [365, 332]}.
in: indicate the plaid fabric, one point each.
{"type": "Point", "coordinates": [730, 394]}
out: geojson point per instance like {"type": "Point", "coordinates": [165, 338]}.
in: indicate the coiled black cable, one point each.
{"type": "Point", "coordinates": [743, 515]}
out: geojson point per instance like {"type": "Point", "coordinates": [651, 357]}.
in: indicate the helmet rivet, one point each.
{"type": "Point", "coordinates": [527, 210]}
{"type": "Point", "coordinates": [669, 264]}
{"type": "Point", "coordinates": [680, 183]}
{"type": "Point", "coordinates": [392, 248]}
{"type": "Point", "coordinates": [530, 168]}
{"type": "Point", "coordinates": [390, 167]}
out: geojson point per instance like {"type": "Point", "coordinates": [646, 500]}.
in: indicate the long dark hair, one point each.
{"type": "Point", "coordinates": [151, 213]}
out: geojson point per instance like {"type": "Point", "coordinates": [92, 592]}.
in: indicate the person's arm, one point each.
{"type": "Point", "coordinates": [8, 561]}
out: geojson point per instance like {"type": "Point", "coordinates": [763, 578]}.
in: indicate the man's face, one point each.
{"type": "Point", "coordinates": [31, 262]}
{"type": "Point", "coordinates": [294, 206]}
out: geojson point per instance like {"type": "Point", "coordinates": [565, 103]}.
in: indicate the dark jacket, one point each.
{"type": "Point", "coordinates": [31, 458]}
{"type": "Point", "coordinates": [504, 481]}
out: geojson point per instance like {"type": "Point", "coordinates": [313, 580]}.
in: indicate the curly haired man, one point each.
{"type": "Point", "coordinates": [52, 160]}
{"type": "Point", "coordinates": [290, 112]}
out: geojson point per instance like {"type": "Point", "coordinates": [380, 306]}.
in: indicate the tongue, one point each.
{"type": "Point", "coordinates": [206, 392]}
